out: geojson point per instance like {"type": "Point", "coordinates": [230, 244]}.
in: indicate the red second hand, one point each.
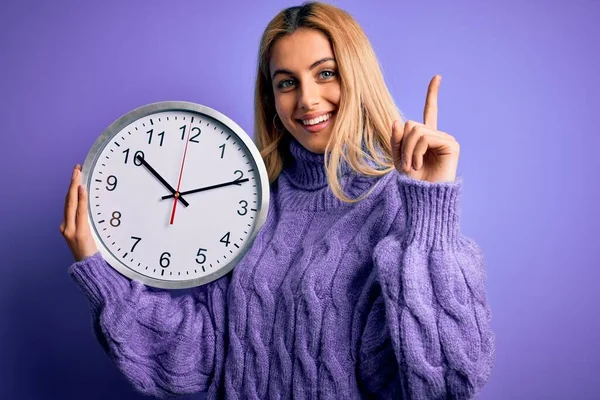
{"type": "Point", "coordinates": [180, 174]}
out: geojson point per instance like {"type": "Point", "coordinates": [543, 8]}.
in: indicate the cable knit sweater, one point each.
{"type": "Point", "coordinates": [379, 299]}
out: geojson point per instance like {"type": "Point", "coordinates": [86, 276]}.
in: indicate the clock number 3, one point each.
{"type": "Point", "coordinates": [244, 205]}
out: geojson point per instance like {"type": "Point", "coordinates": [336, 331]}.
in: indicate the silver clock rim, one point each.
{"type": "Point", "coordinates": [153, 108]}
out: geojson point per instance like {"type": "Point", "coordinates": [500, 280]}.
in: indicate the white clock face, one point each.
{"type": "Point", "coordinates": [175, 196]}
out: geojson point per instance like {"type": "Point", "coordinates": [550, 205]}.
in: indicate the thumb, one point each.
{"type": "Point", "coordinates": [81, 221]}
{"type": "Point", "coordinates": [85, 245]}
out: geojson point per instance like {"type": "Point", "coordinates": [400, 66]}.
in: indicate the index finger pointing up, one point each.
{"type": "Point", "coordinates": [430, 113]}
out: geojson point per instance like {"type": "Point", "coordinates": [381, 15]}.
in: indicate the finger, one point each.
{"type": "Point", "coordinates": [419, 152]}
{"type": "Point", "coordinates": [408, 127]}
{"type": "Point", "coordinates": [429, 142]}
{"type": "Point", "coordinates": [409, 143]}
{"type": "Point", "coordinates": [71, 202]}
{"type": "Point", "coordinates": [396, 141]}
{"type": "Point", "coordinates": [82, 210]}
{"type": "Point", "coordinates": [430, 114]}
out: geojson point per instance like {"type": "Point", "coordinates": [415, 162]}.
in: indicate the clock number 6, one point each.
{"type": "Point", "coordinates": [165, 261]}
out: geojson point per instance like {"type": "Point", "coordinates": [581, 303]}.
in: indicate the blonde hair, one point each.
{"type": "Point", "coordinates": [362, 130]}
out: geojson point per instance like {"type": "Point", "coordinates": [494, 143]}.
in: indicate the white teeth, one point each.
{"type": "Point", "coordinates": [317, 120]}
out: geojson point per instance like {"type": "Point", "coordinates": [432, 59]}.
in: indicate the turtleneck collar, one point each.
{"type": "Point", "coordinates": [307, 170]}
{"type": "Point", "coordinates": [305, 181]}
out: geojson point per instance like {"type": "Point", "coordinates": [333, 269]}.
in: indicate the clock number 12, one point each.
{"type": "Point", "coordinates": [193, 138]}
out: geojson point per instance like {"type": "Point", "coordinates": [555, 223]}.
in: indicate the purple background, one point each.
{"type": "Point", "coordinates": [519, 92]}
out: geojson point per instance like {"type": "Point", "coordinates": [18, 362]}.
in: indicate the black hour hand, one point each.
{"type": "Point", "coordinates": [162, 180]}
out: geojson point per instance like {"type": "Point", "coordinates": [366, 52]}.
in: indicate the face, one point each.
{"type": "Point", "coordinates": [306, 87]}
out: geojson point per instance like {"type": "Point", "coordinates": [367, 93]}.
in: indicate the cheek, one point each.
{"type": "Point", "coordinates": [333, 93]}
{"type": "Point", "coordinates": [283, 105]}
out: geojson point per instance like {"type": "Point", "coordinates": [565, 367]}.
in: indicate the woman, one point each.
{"type": "Point", "coordinates": [359, 285]}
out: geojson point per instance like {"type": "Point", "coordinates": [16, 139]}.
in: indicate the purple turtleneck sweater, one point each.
{"type": "Point", "coordinates": [383, 298]}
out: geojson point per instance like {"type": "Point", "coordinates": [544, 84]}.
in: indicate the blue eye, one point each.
{"type": "Point", "coordinates": [286, 83]}
{"type": "Point", "coordinates": [327, 74]}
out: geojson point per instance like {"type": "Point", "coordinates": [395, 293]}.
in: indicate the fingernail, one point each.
{"type": "Point", "coordinates": [80, 189]}
{"type": "Point", "coordinates": [74, 172]}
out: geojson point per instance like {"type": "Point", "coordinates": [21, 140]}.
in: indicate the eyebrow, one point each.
{"type": "Point", "coordinates": [313, 65]}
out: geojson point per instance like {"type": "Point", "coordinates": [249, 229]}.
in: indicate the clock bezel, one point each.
{"type": "Point", "coordinates": [162, 106]}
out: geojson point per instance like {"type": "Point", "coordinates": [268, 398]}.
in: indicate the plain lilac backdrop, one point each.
{"type": "Point", "coordinates": [519, 92]}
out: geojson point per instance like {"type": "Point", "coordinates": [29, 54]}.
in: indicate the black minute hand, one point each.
{"type": "Point", "coordinates": [162, 180]}
{"type": "Point", "coordinates": [202, 189]}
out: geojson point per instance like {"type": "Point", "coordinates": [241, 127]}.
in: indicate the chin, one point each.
{"type": "Point", "coordinates": [312, 144]}
{"type": "Point", "coordinates": [311, 141]}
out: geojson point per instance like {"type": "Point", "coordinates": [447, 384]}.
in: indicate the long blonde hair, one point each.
{"type": "Point", "coordinates": [361, 132]}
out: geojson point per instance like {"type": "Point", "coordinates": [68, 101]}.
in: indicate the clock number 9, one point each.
{"type": "Point", "coordinates": [165, 261]}
{"type": "Point", "coordinates": [135, 157]}
{"type": "Point", "coordinates": [201, 255]}
{"type": "Point", "coordinates": [113, 183]}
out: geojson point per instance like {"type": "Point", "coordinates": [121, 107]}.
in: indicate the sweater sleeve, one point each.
{"type": "Point", "coordinates": [428, 333]}
{"type": "Point", "coordinates": [164, 345]}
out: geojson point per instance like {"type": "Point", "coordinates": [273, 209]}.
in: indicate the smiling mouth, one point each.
{"type": "Point", "coordinates": [316, 121]}
{"type": "Point", "coordinates": [315, 125]}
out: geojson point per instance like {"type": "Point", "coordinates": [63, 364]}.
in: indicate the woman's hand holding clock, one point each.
{"type": "Point", "coordinates": [75, 226]}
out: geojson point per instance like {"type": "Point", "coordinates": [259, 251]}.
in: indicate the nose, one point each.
{"type": "Point", "coordinates": [309, 95]}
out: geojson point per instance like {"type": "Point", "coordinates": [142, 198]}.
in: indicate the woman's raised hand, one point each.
{"type": "Point", "coordinates": [420, 150]}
